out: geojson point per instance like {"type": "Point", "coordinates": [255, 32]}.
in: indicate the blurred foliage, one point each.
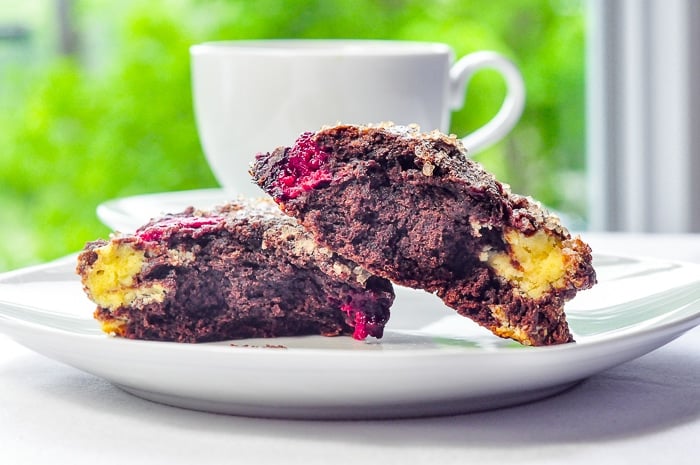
{"type": "Point", "coordinates": [117, 120]}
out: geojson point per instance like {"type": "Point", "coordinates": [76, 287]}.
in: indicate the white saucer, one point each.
{"type": "Point", "coordinates": [430, 362]}
{"type": "Point", "coordinates": [128, 213]}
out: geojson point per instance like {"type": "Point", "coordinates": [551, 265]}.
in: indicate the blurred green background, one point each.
{"type": "Point", "coordinates": [95, 97]}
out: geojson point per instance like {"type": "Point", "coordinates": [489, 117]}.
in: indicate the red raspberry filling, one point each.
{"type": "Point", "coordinates": [303, 171]}
{"type": "Point", "coordinates": [361, 321]}
{"type": "Point", "coordinates": [167, 227]}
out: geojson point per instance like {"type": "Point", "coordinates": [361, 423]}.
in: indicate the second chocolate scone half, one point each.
{"type": "Point", "coordinates": [239, 270]}
{"type": "Point", "coordinates": [411, 207]}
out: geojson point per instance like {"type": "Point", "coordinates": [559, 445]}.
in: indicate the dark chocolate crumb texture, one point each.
{"type": "Point", "coordinates": [412, 208]}
{"type": "Point", "coordinates": [241, 270]}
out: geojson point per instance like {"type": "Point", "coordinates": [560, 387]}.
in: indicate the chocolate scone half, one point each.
{"type": "Point", "coordinates": [241, 270]}
{"type": "Point", "coordinates": [412, 208]}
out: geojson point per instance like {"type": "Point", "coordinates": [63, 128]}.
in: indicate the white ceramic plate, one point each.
{"type": "Point", "coordinates": [430, 362]}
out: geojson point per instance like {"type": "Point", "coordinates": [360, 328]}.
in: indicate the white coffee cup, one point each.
{"type": "Point", "coordinates": [253, 96]}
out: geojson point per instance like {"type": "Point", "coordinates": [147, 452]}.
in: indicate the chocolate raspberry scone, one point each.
{"type": "Point", "coordinates": [242, 270]}
{"type": "Point", "coordinates": [412, 208]}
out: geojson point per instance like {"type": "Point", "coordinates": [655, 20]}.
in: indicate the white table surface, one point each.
{"type": "Point", "coordinates": [644, 411]}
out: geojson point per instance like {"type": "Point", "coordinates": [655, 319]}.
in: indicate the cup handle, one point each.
{"type": "Point", "coordinates": [511, 109]}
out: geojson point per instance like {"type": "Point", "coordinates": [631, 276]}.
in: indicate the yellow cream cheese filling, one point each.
{"type": "Point", "coordinates": [534, 265]}
{"type": "Point", "coordinates": [506, 330]}
{"type": "Point", "coordinates": [110, 280]}
{"type": "Point", "coordinates": [114, 326]}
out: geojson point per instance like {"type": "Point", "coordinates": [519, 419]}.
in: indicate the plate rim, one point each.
{"type": "Point", "coordinates": [680, 325]}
